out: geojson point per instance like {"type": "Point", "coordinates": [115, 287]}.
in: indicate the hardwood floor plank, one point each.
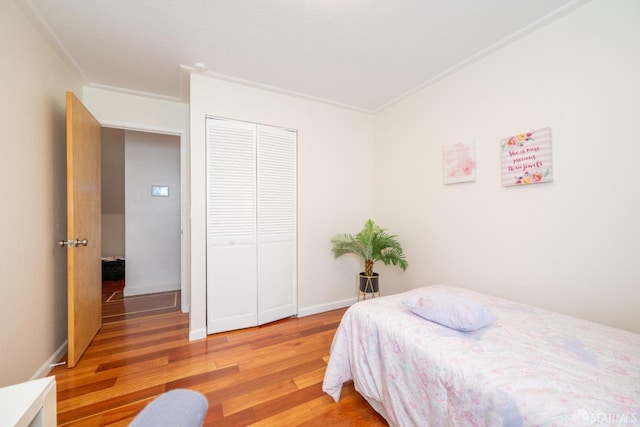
{"type": "Point", "coordinates": [291, 417]}
{"type": "Point", "coordinates": [258, 396]}
{"type": "Point", "coordinates": [119, 417]}
{"type": "Point", "coordinates": [269, 375]}
{"type": "Point", "coordinates": [346, 411]}
{"type": "Point", "coordinates": [117, 307]}
{"type": "Point", "coordinates": [197, 348]}
{"type": "Point", "coordinates": [79, 390]}
{"type": "Point", "coordinates": [133, 342]}
{"type": "Point", "coordinates": [284, 351]}
{"type": "Point", "coordinates": [289, 401]}
{"type": "Point", "coordinates": [310, 378]}
{"type": "Point", "coordinates": [120, 387]}
{"type": "Point", "coordinates": [84, 411]}
{"type": "Point", "coordinates": [239, 419]}
{"type": "Point", "coordinates": [242, 384]}
{"type": "Point", "coordinates": [193, 381]}
{"type": "Point", "coordinates": [128, 361]}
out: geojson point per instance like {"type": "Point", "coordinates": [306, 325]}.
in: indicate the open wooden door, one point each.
{"type": "Point", "coordinates": [83, 228]}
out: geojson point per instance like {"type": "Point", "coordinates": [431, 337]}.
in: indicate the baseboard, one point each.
{"type": "Point", "coordinates": [302, 312]}
{"type": "Point", "coordinates": [184, 306]}
{"type": "Point", "coordinates": [198, 334]}
{"type": "Point", "coordinates": [46, 367]}
{"type": "Point", "coordinates": [308, 311]}
{"type": "Point", "coordinates": [143, 290]}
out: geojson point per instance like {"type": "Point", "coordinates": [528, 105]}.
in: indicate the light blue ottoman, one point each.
{"type": "Point", "coordinates": [175, 408]}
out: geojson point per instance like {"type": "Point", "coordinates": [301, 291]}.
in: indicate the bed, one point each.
{"type": "Point", "coordinates": [527, 367]}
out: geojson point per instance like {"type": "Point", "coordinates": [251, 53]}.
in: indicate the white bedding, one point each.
{"type": "Point", "coordinates": [531, 367]}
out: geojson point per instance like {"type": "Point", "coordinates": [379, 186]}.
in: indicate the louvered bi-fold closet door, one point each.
{"type": "Point", "coordinates": [251, 224]}
{"type": "Point", "coordinates": [231, 225]}
{"type": "Point", "coordinates": [277, 213]}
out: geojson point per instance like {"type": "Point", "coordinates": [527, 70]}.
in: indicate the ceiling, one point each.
{"type": "Point", "coordinates": [364, 54]}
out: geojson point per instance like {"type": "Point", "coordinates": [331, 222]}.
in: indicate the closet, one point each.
{"type": "Point", "coordinates": [251, 224]}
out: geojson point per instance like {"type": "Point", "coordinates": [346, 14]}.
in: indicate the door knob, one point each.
{"type": "Point", "coordinates": [72, 243]}
{"type": "Point", "coordinates": [83, 242]}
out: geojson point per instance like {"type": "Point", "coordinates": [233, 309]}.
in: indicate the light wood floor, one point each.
{"type": "Point", "coordinates": [264, 376]}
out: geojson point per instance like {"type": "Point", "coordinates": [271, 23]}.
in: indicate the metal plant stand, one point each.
{"type": "Point", "coordinates": [369, 289]}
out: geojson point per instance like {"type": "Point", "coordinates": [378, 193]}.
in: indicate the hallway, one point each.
{"type": "Point", "coordinates": [117, 307]}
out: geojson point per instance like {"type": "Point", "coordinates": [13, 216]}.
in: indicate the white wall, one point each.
{"type": "Point", "coordinates": [127, 111]}
{"type": "Point", "coordinates": [33, 307]}
{"type": "Point", "coordinates": [335, 171]}
{"type": "Point", "coordinates": [570, 245]}
{"type": "Point", "coordinates": [152, 223]}
{"type": "Point", "coordinates": [112, 178]}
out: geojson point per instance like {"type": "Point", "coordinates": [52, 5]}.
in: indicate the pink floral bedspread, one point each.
{"type": "Point", "coordinates": [531, 367]}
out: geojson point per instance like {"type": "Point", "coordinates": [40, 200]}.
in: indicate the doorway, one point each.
{"type": "Point", "coordinates": [113, 210]}
{"type": "Point", "coordinates": [141, 228]}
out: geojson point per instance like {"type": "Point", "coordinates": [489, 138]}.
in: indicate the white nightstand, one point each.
{"type": "Point", "coordinates": [29, 404]}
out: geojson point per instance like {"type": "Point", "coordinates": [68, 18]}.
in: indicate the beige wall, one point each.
{"type": "Point", "coordinates": [152, 223]}
{"type": "Point", "coordinates": [33, 306]}
{"type": "Point", "coordinates": [570, 245]}
{"type": "Point", "coordinates": [112, 171]}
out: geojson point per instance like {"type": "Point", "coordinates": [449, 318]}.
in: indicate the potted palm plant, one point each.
{"type": "Point", "coordinates": [372, 244]}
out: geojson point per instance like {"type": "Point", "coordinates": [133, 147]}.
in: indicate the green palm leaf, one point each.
{"type": "Point", "coordinates": [373, 244]}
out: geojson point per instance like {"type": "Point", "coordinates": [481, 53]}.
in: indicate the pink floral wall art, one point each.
{"type": "Point", "coordinates": [459, 162]}
{"type": "Point", "coordinates": [526, 158]}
